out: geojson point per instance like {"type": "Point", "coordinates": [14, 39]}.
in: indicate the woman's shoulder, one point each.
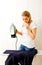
{"type": "Point", "coordinates": [33, 25]}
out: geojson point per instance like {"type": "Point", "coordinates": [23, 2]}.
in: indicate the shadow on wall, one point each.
{"type": "Point", "coordinates": [39, 35]}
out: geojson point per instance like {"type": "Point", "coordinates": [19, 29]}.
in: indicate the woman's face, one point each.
{"type": "Point", "coordinates": [25, 19]}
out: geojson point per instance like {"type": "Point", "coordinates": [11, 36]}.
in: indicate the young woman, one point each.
{"type": "Point", "coordinates": [28, 32]}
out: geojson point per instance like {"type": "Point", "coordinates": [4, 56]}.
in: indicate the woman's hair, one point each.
{"type": "Point", "coordinates": [27, 13]}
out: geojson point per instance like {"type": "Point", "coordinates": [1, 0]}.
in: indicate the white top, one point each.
{"type": "Point", "coordinates": [26, 38]}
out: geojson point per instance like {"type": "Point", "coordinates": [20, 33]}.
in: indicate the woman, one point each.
{"type": "Point", "coordinates": [28, 32]}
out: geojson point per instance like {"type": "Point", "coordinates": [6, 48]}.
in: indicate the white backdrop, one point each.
{"type": "Point", "coordinates": [10, 12]}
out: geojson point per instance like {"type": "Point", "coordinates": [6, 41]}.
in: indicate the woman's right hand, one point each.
{"type": "Point", "coordinates": [18, 32]}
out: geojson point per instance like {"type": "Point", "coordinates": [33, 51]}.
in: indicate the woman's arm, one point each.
{"type": "Point", "coordinates": [32, 32]}
{"type": "Point", "coordinates": [18, 32]}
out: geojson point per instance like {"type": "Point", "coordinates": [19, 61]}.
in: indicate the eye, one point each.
{"type": "Point", "coordinates": [24, 18]}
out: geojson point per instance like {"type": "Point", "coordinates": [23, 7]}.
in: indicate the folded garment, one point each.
{"type": "Point", "coordinates": [24, 57]}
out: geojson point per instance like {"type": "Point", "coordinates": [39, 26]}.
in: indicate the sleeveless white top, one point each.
{"type": "Point", "coordinates": [26, 38]}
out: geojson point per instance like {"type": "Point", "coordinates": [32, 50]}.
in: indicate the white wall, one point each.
{"type": "Point", "coordinates": [10, 12]}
